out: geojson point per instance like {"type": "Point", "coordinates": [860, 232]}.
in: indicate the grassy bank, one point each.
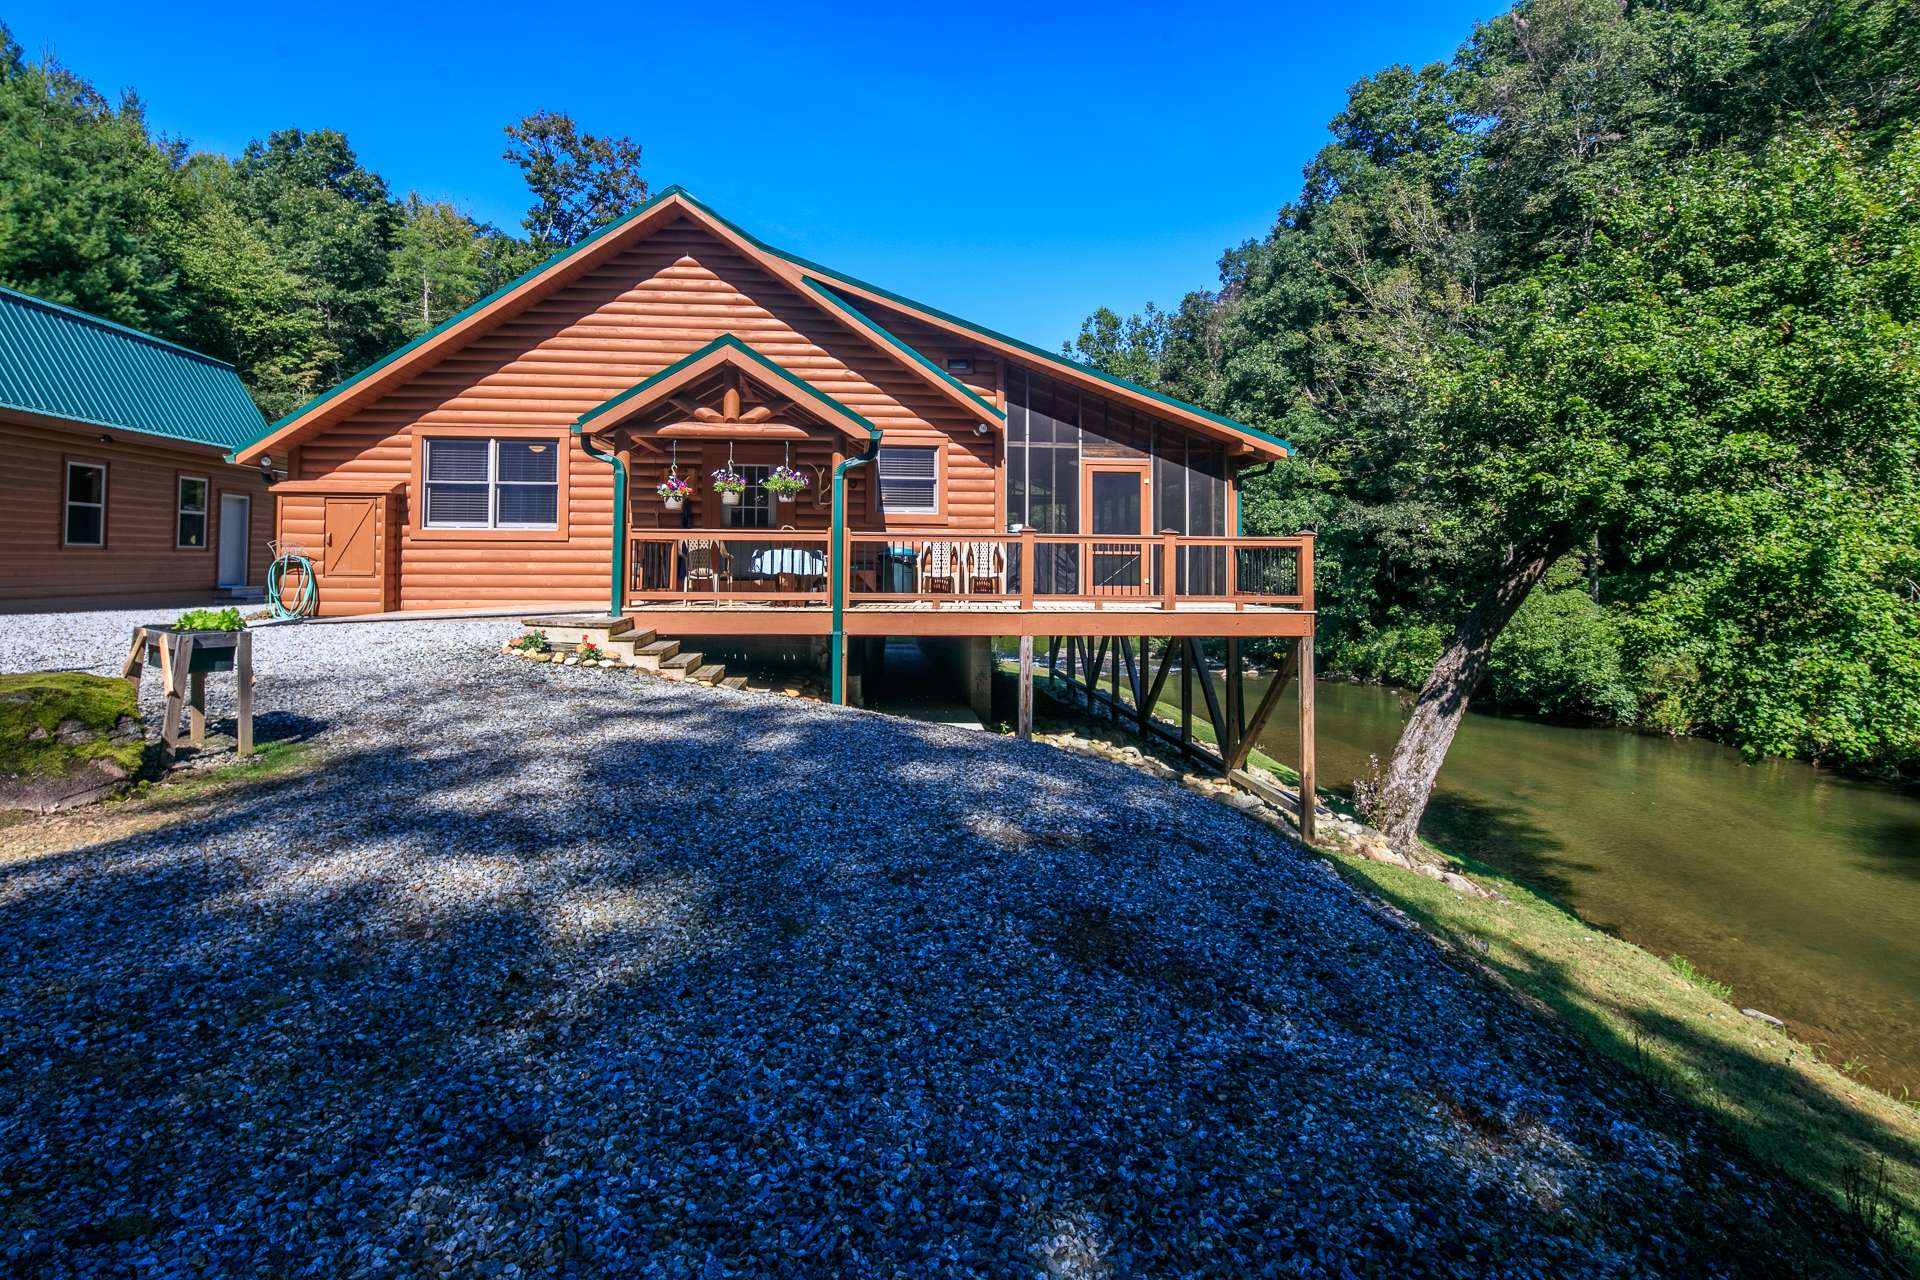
{"type": "Point", "coordinates": [1671, 1028]}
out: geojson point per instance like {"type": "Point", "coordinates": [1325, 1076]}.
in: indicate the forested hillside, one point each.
{"type": "Point", "coordinates": [293, 261]}
{"type": "Point", "coordinates": [1610, 323]}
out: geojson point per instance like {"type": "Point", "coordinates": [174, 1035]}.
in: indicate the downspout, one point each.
{"type": "Point", "coordinates": [838, 641]}
{"type": "Point", "coordinates": [1240, 493]}
{"type": "Point", "coordinates": [619, 521]}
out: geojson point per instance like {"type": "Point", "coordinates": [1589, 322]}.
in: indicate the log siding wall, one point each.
{"type": "Point", "coordinates": [139, 563]}
{"type": "Point", "coordinates": [651, 304]}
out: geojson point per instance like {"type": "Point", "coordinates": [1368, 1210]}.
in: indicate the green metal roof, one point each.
{"type": "Point", "coordinates": [67, 364]}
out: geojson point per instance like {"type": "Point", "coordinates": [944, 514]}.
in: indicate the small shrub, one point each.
{"type": "Point", "coordinates": [211, 620]}
{"type": "Point", "coordinates": [1560, 656]}
{"type": "Point", "coordinates": [1400, 654]}
{"type": "Point", "coordinates": [1713, 987]}
{"type": "Point", "coordinates": [532, 642]}
{"type": "Point", "coordinates": [588, 650]}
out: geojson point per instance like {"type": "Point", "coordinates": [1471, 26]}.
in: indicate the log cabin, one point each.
{"type": "Point", "coordinates": [115, 482]}
{"type": "Point", "coordinates": [956, 484]}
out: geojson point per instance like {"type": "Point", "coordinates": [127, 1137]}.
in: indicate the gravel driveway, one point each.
{"type": "Point", "coordinates": [560, 972]}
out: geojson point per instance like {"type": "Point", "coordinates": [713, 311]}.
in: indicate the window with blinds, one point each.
{"type": "Point", "coordinates": [476, 483]}
{"type": "Point", "coordinates": [909, 480]}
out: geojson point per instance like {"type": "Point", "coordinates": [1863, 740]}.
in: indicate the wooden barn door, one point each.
{"type": "Point", "coordinates": [349, 539]}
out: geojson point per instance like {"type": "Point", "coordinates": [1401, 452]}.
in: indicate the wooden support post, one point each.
{"type": "Point", "coordinates": [1268, 701]}
{"type": "Point", "coordinates": [1053, 657]}
{"type": "Point", "coordinates": [1214, 717]}
{"type": "Point", "coordinates": [1186, 693]}
{"type": "Point", "coordinates": [1304, 649]}
{"type": "Point", "coordinates": [1115, 647]}
{"type": "Point", "coordinates": [197, 708]}
{"type": "Point", "coordinates": [1028, 570]}
{"type": "Point", "coordinates": [1025, 724]}
{"type": "Point", "coordinates": [136, 657]}
{"type": "Point", "coordinates": [176, 656]}
{"type": "Point", "coordinates": [1236, 692]}
{"type": "Point", "coordinates": [1169, 573]}
{"type": "Point", "coordinates": [1159, 682]}
{"type": "Point", "coordinates": [243, 710]}
{"type": "Point", "coordinates": [1142, 704]}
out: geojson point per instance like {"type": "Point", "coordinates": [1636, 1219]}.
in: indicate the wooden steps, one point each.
{"type": "Point", "coordinates": [649, 657]}
{"type": "Point", "coordinates": [643, 649]}
{"type": "Point", "coordinates": [680, 665]}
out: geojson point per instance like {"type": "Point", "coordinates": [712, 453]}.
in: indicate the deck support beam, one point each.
{"type": "Point", "coordinates": [1024, 725]}
{"type": "Point", "coordinates": [1303, 661]}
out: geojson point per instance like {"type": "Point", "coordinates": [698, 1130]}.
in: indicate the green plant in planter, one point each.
{"type": "Point", "coordinates": [785, 483]}
{"type": "Point", "coordinates": [726, 480]}
{"type": "Point", "coordinates": [532, 642]}
{"type": "Point", "coordinates": [211, 620]}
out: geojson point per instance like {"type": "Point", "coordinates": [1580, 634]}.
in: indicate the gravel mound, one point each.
{"type": "Point", "coordinates": [564, 972]}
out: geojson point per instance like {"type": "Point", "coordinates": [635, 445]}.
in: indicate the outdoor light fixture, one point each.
{"type": "Point", "coordinates": [959, 366]}
{"type": "Point", "coordinates": [982, 429]}
{"type": "Point", "coordinates": [105, 438]}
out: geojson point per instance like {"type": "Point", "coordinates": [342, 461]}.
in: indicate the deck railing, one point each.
{"type": "Point", "coordinates": [761, 566]}
{"type": "Point", "coordinates": [1031, 570]}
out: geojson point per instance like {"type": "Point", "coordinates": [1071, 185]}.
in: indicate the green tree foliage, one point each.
{"type": "Point", "coordinates": [580, 182]}
{"type": "Point", "coordinates": [82, 187]}
{"type": "Point", "coordinates": [437, 266]}
{"type": "Point", "coordinates": [1627, 282]}
{"type": "Point", "coordinates": [293, 261]}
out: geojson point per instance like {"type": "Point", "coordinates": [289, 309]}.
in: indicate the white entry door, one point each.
{"type": "Point", "coordinates": [236, 521]}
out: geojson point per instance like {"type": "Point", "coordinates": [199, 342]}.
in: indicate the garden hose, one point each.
{"type": "Point", "coordinates": [308, 596]}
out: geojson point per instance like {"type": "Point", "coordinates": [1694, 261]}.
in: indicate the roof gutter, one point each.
{"type": "Point", "coordinates": [838, 641]}
{"type": "Point", "coordinates": [614, 600]}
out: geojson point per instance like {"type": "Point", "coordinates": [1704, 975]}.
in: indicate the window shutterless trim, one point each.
{"type": "Point", "coordinates": [490, 534]}
{"type": "Point", "coordinates": [179, 509]}
{"type": "Point", "coordinates": [66, 502]}
{"type": "Point", "coordinates": [937, 505]}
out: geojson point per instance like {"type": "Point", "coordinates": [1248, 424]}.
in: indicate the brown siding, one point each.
{"type": "Point", "coordinates": [653, 303]}
{"type": "Point", "coordinates": [139, 564]}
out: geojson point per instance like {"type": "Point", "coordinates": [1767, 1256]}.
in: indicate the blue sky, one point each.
{"type": "Point", "coordinates": [1016, 166]}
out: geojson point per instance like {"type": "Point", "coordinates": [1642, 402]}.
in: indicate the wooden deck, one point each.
{"type": "Point", "coordinates": [779, 582]}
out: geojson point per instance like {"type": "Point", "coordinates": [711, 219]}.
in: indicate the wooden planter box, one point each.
{"type": "Point", "coordinates": [212, 650]}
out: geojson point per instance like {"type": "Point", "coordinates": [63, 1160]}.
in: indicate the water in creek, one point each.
{"type": "Point", "coordinates": [1799, 888]}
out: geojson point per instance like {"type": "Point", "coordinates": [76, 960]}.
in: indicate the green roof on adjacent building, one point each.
{"type": "Point", "coordinates": [63, 363]}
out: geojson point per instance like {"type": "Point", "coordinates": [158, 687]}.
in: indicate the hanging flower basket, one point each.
{"type": "Point", "coordinates": [785, 483]}
{"type": "Point", "coordinates": [674, 492]}
{"type": "Point", "coordinates": [729, 484]}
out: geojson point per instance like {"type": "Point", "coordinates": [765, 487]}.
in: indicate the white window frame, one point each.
{"type": "Point", "coordinates": [180, 509]}
{"type": "Point", "coordinates": [70, 502]}
{"type": "Point", "coordinates": [880, 486]}
{"type": "Point", "coordinates": [494, 483]}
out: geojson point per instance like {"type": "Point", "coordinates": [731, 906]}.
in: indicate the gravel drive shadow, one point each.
{"type": "Point", "coordinates": [560, 972]}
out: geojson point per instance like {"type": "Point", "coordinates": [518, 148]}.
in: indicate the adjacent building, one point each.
{"type": "Point", "coordinates": [115, 482]}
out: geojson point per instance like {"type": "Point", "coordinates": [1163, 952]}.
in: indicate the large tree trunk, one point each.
{"type": "Point", "coordinates": [1443, 698]}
